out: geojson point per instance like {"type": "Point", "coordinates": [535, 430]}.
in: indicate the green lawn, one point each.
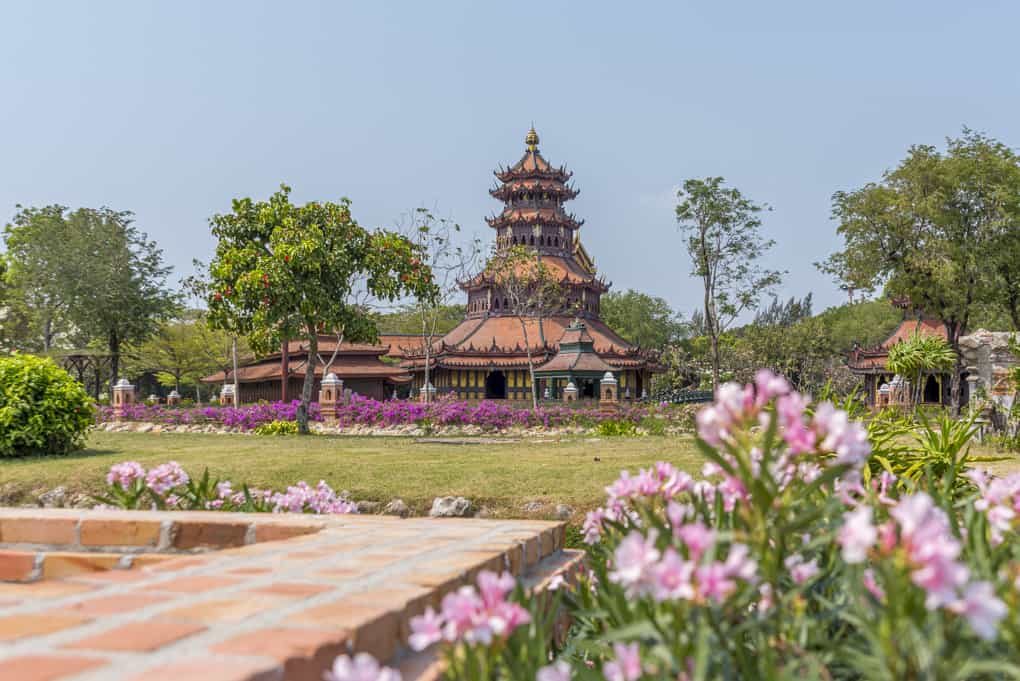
{"type": "Point", "coordinates": [501, 474]}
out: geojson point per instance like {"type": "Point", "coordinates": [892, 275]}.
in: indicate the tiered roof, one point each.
{"type": "Point", "coordinates": [873, 359]}
{"type": "Point", "coordinates": [533, 192]}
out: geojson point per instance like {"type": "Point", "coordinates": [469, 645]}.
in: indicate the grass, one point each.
{"type": "Point", "coordinates": [501, 474]}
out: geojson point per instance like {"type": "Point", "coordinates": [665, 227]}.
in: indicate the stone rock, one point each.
{"type": "Point", "coordinates": [451, 507]}
{"type": "Point", "coordinates": [397, 507]}
{"type": "Point", "coordinates": [532, 507]}
{"type": "Point", "coordinates": [55, 498]}
{"type": "Point", "coordinates": [563, 512]}
{"type": "Point", "coordinates": [9, 492]}
{"type": "Point", "coordinates": [486, 512]}
{"type": "Point", "coordinates": [143, 428]}
{"type": "Point", "coordinates": [81, 501]}
{"type": "Point", "coordinates": [369, 506]}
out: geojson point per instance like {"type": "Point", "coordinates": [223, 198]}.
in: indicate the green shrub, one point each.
{"type": "Point", "coordinates": [42, 409]}
{"type": "Point", "coordinates": [654, 425]}
{"type": "Point", "coordinates": [277, 428]}
{"type": "Point", "coordinates": [616, 428]}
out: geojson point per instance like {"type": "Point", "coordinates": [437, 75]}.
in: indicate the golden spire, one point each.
{"type": "Point", "coordinates": [532, 139]}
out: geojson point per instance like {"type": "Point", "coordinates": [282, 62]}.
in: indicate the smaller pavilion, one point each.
{"type": "Point", "coordinates": [575, 362]}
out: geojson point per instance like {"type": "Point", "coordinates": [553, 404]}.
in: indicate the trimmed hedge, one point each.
{"type": "Point", "coordinates": [43, 410]}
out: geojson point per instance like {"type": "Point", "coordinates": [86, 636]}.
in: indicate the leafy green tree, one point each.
{"type": "Point", "coordinates": [91, 270]}
{"type": "Point", "coordinates": [784, 314]}
{"type": "Point", "coordinates": [44, 271]}
{"type": "Point", "coordinates": [185, 350]}
{"type": "Point", "coordinates": [725, 242]}
{"type": "Point", "coordinates": [930, 230]}
{"type": "Point", "coordinates": [646, 320]}
{"type": "Point", "coordinates": [283, 271]}
{"type": "Point", "coordinates": [406, 319]}
{"type": "Point", "coordinates": [122, 294]}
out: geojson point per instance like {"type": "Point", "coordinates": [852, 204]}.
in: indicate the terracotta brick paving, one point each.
{"type": "Point", "coordinates": [100, 595]}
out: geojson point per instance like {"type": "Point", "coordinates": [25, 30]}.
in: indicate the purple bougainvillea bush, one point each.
{"type": "Point", "coordinates": [797, 554]}
{"type": "Point", "coordinates": [487, 415]}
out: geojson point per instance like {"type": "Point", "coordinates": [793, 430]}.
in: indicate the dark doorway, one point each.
{"type": "Point", "coordinates": [495, 386]}
{"type": "Point", "coordinates": [588, 388]}
{"type": "Point", "coordinates": [931, 391]}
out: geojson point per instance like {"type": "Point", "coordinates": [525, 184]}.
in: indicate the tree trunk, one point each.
{"type": "Point", "coordinates": [531, 363]}
{"type": "Point", "coordinates": [306, 388]}
{"type": "Point", "coordinates": [114, 361]}
{"type": "Point", "coordinates": [47, 334]}
{"type": "Point", "coordinates": [953, 336]}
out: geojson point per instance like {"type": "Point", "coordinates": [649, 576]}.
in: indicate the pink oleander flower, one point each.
{"type": "Point", "coordinates": [592, 526]}
{"type": "Point", "coordinates": [847, 439]}
{"type": "Point", "coordinates": [125, 474]}
{"type": "Point", "coordinates": [931, 549]}
{"type": "Point", "coordinates": [798, 437]}
{"type": "Point", "coordinates": [224, 490]}
{"type": "Point", "coordinates": [426, 629]}
{"type": "Point", "coordinates": [857, 535]}
{"type": "Point", "coordinates": [166, 477]}
{"type": "Point", "coordinates": [769, 386]}
{"type": "Point", "coordinates": [871, 584]}
{"type": "Point", "coordinates": [676, 513]}
{"type": "Point", "coordinates": [697, 537]}
{"type": "Point", "coordinates": [671, 577]}
{"type": "Point", "coordinates": [626, 665]}
{"type": "Point", "coordinates": [475, 618]}
{"type": "Point", "coordinates": [801, 571]}
{"type": "Point", "coordinates": [632, 561]}
{"type": "Point", "coordinates": [557, 671]}
{"type": "Point", "coordinates": [362, 667]}
{"type": "Point", "coordinates": [982, 608]}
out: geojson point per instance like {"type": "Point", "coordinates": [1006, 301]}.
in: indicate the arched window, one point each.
{"type": "Point", "coordinates": [496, 306]}
{"type": "Point", "coordinates": [506, 304]}
{"type": "Point", "coordinates": [532, 240]}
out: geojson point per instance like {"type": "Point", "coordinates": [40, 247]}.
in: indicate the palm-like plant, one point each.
{"type": "Point", "coordinates": [918, 356]}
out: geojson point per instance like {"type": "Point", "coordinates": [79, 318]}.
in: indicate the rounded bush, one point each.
{"type": "Point", "coordinates": [42, 409]}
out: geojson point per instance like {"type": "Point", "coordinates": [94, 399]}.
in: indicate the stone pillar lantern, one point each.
{"type": "Point", "coordinates": [609, 395]}
{"type": "Point", "coordinates": [123, 398]}
{"type": "Point", "coordinates": [330, 394]}
{"type": "Point", "coordinates": [570, 392]}
{"type": "Point", "coordinates": [173, 399]}
{"type": "Point", "coordinates": [227, 396]}
{"type": "Point", "coordinates": [427, 393]}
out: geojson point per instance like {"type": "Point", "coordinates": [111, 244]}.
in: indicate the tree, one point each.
{"type": "Point", "coordinates": [450, 263]}
{"type": "Point", "coordinates": [122, 294]}
{"type": "Point", "coordinates": [931, 228]}
{"type": "Point", "coordinates": [784, 314]}
{"type": "Point", "coordinates": [532, 291]}
{"type": "Point", "coordinates": [44, 269]}
{"type": "Point", "coordinates": [185, 350]}
{"type": "Point", "coordinates": [91, 270]}
{"type": "Point", "coordinates": [283, 271]}
{"type": "Point", "coordinates": [725, 243]}
{"type": "Point", "coordinates": [646, 320]}
{"type": "Point", "coordinates": [919, 356]}
{"type": "Point", "coordinates": [405, 319]}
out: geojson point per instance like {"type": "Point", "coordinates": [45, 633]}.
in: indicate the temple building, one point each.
{"type": "Point", "coordinates": [485, 356]}
{"type": "Point", "coordinates": [359, 365]}
{"type": "Point", "coordinates": [880, 384]}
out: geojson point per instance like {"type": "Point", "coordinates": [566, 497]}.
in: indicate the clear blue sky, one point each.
{"type": "Point", "coordinates": [171, 109]}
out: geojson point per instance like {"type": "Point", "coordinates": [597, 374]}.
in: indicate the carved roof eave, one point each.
{"type": "Point", "coordinates": [560, 174]}
{"type": "Point", "coordinates": [566, 220]}
{"type": "Point", "coordinates": [503, 191]}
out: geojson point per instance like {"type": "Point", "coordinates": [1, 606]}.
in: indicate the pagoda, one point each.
{"type": "Point", "coordinates": [485, 356]}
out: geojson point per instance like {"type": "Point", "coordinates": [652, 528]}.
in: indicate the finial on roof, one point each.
{"type": "Point", "coordinates": [532, 139]}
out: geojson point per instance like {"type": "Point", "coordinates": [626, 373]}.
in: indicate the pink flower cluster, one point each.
{"type": "Point", "coordinates": [664, 481]}
{"type": "Point", "coordinates": [166, 477]}
{"type": "Point", "coordinates": [125, 474]}
{"type": "Point", "coordinates": [302, 498]}
{"type": "Point", "coordinates": [470, 615]}
{"type": "Point", "coordinates": [641, 569]}
{"type": "Point", "coordinates": [1000, 501]}
{"type": "Point", "coordinates": [920, 532]}
{"type": "Point", "coordinates": [737, 408]}
{"type": "Point", "coordinates": [362, 667]}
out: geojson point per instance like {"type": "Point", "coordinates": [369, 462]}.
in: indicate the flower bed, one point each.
{"type": "Point", "coordinates": [488, 415]}
{"type": "Point", "coordinates": [797, 554]}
